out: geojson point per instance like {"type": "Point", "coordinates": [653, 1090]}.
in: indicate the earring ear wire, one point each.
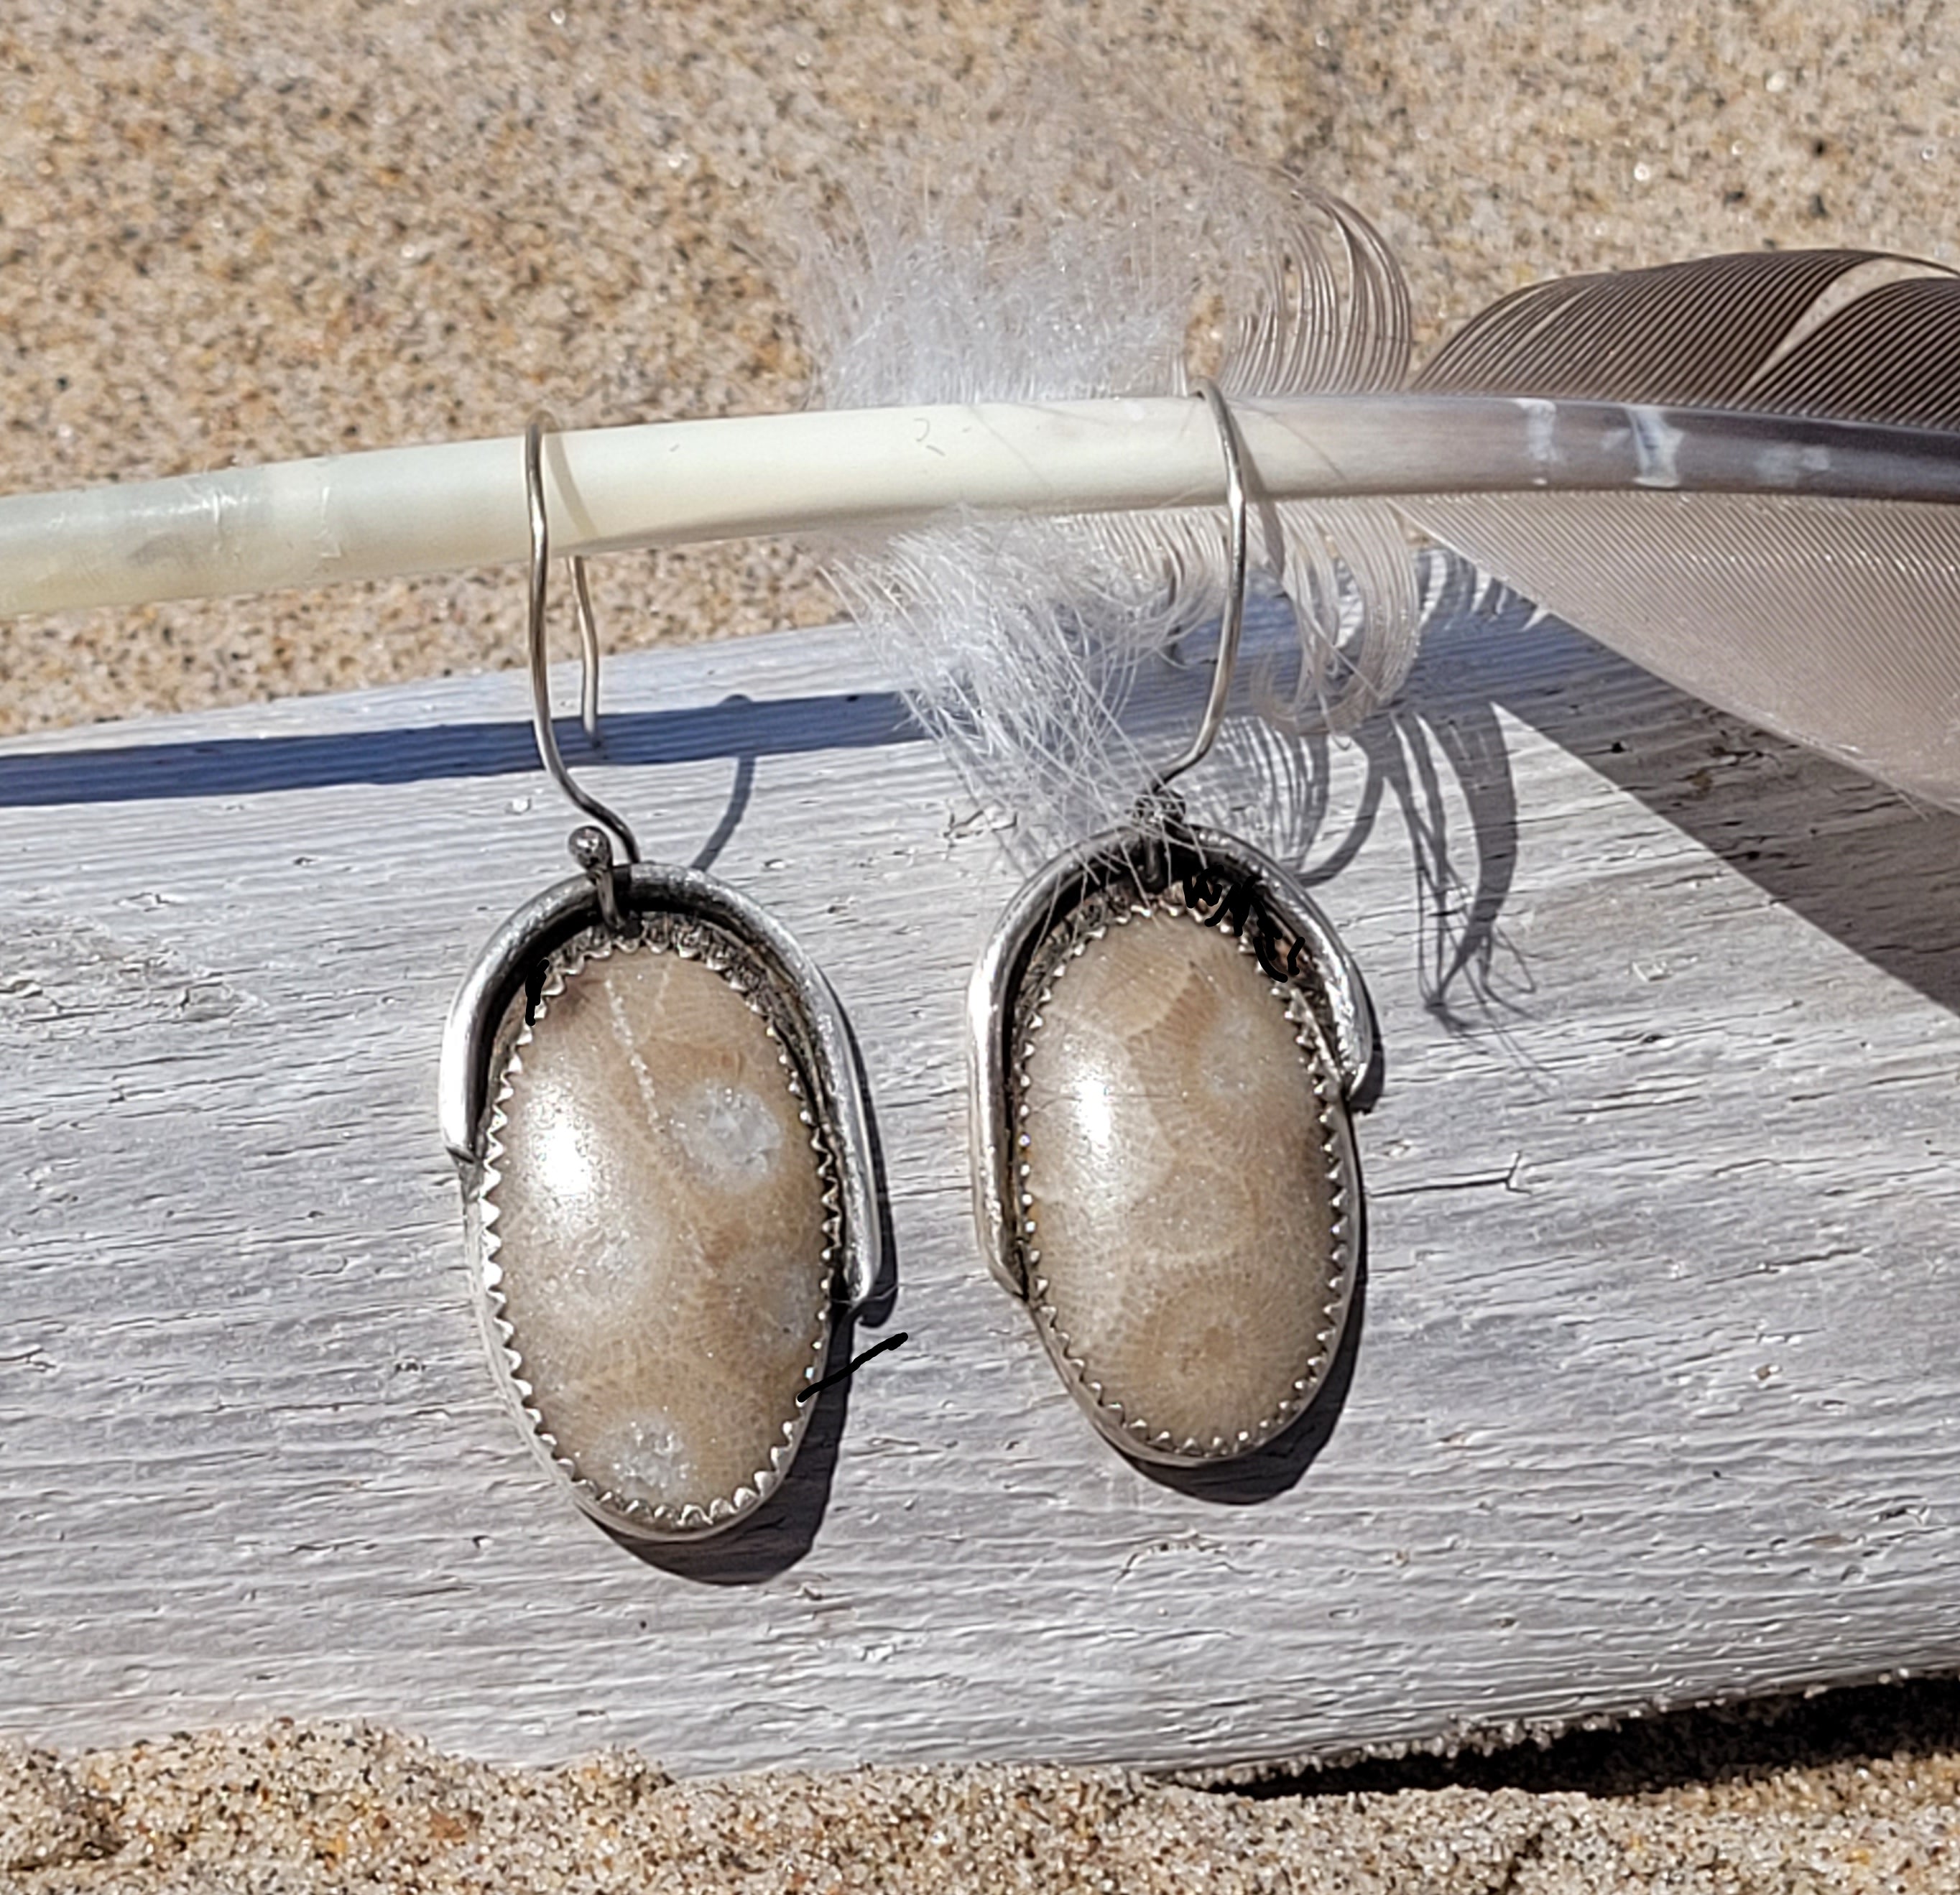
{"type": "Point", "coordinates": [1232, 620]}
{"type": "Point", "coordinates": [1165, 1033]}
{"type": "Point", "coordinates": [659, 1126]}
{"type": "Point", "coordinates": [536, 644]}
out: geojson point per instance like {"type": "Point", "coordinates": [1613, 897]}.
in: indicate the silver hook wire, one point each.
{"type": "Point", "coordinates": [1231, 622]}
{"type": "Point", "coordinates": [541, 717]}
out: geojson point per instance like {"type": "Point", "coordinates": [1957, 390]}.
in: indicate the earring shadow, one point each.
{"type": "Point", "coordinates": [743, 787]}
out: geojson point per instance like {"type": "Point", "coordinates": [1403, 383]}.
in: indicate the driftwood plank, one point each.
{"type": "Point", "coordinates": [1656, 1388]}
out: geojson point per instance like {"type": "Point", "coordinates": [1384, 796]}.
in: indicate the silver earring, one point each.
{"type": "Point", "coordinates": [1164, 1034]}
{"type": "Point", "coordinates": [650, 1093]}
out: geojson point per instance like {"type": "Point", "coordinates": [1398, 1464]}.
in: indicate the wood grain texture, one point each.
{"type": "Point", "coordinates": [1655, 1393]}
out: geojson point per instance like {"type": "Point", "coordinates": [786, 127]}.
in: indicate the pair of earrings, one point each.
{"type": "Point", "coordinates": [650, 1093]}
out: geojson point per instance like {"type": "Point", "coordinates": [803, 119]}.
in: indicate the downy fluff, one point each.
{"type": "Point", "coordinates": [1044, 258]}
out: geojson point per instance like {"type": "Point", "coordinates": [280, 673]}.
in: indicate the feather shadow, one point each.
{"type": "Point", "coordinates": [1818, 838]}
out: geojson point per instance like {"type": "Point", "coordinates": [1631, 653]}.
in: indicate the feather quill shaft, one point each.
{"type": "Point", "coordinates": [400, 511]}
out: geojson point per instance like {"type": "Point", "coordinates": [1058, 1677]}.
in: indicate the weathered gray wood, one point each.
{"type": "Point", "coordinates": [1656, 1391]}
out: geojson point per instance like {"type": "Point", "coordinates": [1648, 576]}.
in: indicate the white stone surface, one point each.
{"type": "Point", "coordinates": [661, 1239]}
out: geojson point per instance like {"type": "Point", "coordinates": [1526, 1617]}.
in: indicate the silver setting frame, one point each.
{"type": "Point", "coordinates": [1296, 945]}
{"type": "Point", "coordinates": [476, 1045]}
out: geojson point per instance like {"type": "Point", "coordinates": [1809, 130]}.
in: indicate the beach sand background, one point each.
{"type": "Point", "coordinates": [239, 232]}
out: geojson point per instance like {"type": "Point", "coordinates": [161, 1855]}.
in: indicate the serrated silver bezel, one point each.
{"type": "Point", "coordinates": [542, 946]}
{"type": "Point", "coordinates": [1075, 898]}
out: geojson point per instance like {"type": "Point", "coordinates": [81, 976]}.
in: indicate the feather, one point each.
{"type": "Point", "coordinates": [1018, 638]}
{"type": "Point", "coordinates": [1738, 472]}
{"type": "Point", "coordinates": [1831, 620]}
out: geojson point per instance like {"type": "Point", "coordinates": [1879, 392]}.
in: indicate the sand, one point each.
{"type": "Point", "coordinates": [1709, 1802]}
{"type": "Point", "coordinates": [247, 232]}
